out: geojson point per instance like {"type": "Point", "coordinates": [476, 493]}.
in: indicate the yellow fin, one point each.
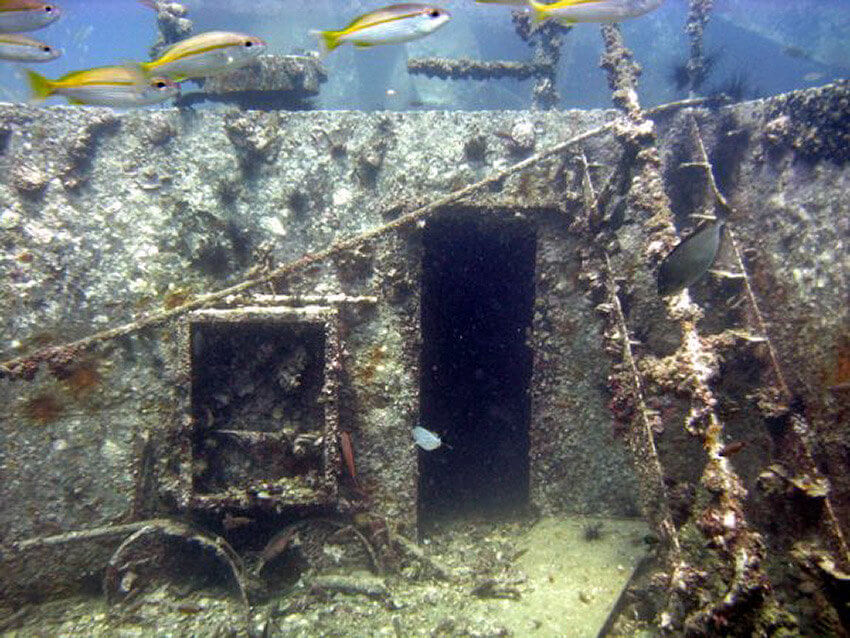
{"type": "Point", "coordinates": [538, 10]}
{"type": "Point", "coordinates": [328, 41]}
{"type": "Point", "coordinates": [41, 87]}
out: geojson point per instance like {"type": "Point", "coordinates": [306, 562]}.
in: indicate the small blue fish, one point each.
{"type": "Point", "coordinates": [426, 439]}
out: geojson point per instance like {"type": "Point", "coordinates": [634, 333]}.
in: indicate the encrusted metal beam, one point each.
{"type": "Point", "coordinates": [544, 38]}
{"type": "Point", "coordinates": [469, 69]}
{"type": "Point", "coordinates": [799, 432]}
{"type": "Point", "coordinates": [698, 64]}
{"type": "Point", "coordinates": [736, 550]}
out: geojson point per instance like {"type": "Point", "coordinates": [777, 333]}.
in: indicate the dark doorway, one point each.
{"type": "Point", "coordinates": [477, 298]}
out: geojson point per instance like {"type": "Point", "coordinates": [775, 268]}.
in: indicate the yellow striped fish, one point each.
{"type": "Point", "coordinates": [26, 15]}
{"type": "Point", "coordinates": [389, 25]}
{"type": "Point", "coordinates": [570, 11]}
{"type": "Point", "coordinates": [206, 54]}
{"type": "Point", "coordinates": [117, 86]}
{"type": "Point", "coordinates": [19, 48]}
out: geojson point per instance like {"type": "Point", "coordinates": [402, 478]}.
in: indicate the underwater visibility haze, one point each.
{"type": "Point", "coordinates": [351, 318]}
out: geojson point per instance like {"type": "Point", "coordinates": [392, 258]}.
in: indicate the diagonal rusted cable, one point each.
{"type": "Point", "coordinates": [26, 366]}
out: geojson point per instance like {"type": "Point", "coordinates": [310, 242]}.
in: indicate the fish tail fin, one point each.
{"type": "Point", "coordinates": [538, 10]}
{"type": "Point", "coordinates": [328, 41]}
{"type": "Point", "coordinates": [40, 86]}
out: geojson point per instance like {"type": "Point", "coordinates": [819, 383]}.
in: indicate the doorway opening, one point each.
{"type": "Point", "coordinates": [477, 306]}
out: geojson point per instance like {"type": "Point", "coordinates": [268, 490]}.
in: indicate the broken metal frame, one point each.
{"type": "Point", "coordinates": [545, 38]}
{"type": "Point", "coordinates": [733, 543]}
{"type": "Point", "coordinates": [800, 432]}
{"type": "Point", "coordinates": [116, 585]}
{"type": "Point", "coordinates": [274, 494]}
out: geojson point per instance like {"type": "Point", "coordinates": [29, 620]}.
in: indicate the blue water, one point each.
{"type": "Point", "coordinates": [773, 46]}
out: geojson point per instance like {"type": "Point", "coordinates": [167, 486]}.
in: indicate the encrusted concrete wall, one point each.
{"type": "Point", "coordinates": [106, 217]}
{"type": "Point", "coordinates": [110, 216]}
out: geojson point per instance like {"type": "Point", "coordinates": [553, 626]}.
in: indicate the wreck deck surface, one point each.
{"type": "Point", "coordinates": [131, 220]}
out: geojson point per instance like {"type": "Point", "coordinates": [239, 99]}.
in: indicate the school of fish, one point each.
{"type": "Point", "coordinates": [133, 84]}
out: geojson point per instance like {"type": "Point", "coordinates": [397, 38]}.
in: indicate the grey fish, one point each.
{"type": "Point", "coordinates": [19, 48]}
{"type": "Point", "coordinates": [426, 439]}
{"type": "Point", "coordinates": [690, 260]}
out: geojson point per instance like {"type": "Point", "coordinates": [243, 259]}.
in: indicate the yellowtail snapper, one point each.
{"type": "Point", "coordinates": [570, 11]}
{"type": "Point", "coordinates": [19, 48]}
{"type": "Point", "coordinates": [206, 54]}
{"type": "Point", "coordinates": [690, 260]}
{"type": "Point", "coordinates": [116, 86]}
{"type": "Point", "coordinates": [26, 15]}
{"type": "Point", "coordinates": [390, 25]}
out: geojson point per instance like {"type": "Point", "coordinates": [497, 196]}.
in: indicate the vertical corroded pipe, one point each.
{"type": "Point", "coordinates": [698, 14]}
{"type": "Point", "coordinates": [546, 40]}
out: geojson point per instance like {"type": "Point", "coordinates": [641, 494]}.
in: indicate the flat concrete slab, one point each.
{"type": "Point", "coordinates": [573, 581]}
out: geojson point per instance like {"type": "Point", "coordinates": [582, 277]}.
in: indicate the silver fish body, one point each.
{"type": "Point", "coordinates": [116, 86]}
{"type": "Point", "coordinates": [690, 260]}
{"type": "Point", "coordinates": [390, 25]}
{"type": "Point", "coordinates": [27, 15]}
{"type": "Point", "coordinates": [595, 10]}
{"type": "Point", "coordinates": [122, 97]}
{"type": "Point", "coordinates": [19, 48]}
{"type": "Point", "coordinates": [206, 54]}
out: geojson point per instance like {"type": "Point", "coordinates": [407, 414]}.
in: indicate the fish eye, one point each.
{"type": "Point", "coordinates": [434, 13]}
{"type": "Point", "coordinates": [47, 49]}
{"type": "Point", "coordinates": [248, 43]}
{"type": "Point", "coordinates": [48, 8]}
{"type": "Point", "coordinates": [160, 84]}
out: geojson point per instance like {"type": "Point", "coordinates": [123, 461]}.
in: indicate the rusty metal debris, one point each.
{"type": "Point", "coordinates": [370, 587]}
{"type": "Point", "coordinates": [144, 551]}
{"type": "Point", "coordinates": [494, 588]}
{"type": "Point", "coordinates": [322, 532]}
